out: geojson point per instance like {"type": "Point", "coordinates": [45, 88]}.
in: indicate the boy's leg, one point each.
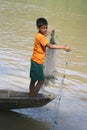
{"type": "Point", "coordinates": [37, 74]}
{"type": "Point", "coordinates": [38, 86]}
{"type": "Point", "coordinates": [32, 87]}
{"type": "Point", "coordinates": [35, 89]}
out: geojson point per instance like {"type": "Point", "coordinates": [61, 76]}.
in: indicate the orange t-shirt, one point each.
{"type": "Point", "coordinates": [39, 51]}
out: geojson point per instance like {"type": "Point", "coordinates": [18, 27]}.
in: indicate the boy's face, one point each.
{"type": "Point", "coordinates": [43, 29]}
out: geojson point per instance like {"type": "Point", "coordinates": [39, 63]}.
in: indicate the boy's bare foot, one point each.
{"type": "Point", "coordinates": [32, 94]}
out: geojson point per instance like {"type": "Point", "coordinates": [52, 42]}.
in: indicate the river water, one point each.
{"type": "Point", "coordinates": [17, 31]}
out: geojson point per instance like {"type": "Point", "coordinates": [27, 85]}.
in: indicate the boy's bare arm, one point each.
{"type": "Point", "coordinates": [51, 46]}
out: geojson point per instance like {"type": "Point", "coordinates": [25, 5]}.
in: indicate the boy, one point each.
{"type": "Point", "coordinates": [38, 57]}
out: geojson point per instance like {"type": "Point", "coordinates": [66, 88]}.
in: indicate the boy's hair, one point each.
{"type": "Point", "coordinates": [40, 22]}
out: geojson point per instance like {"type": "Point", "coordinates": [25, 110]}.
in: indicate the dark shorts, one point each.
{"type": "Point", "coordinates": [36, 71]}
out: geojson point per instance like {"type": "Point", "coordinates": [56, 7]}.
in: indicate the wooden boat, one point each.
{"type": "Point", "coordinates": [17, 99]}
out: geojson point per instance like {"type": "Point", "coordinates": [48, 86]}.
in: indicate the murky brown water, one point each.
{"type": "Point", "coordinates": [14, 121]}
{"type": "Point", "coordinates": [17, 31]}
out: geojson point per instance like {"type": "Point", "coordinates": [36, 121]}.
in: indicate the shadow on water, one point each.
{"type": "Point", "coordinates": [13, 121]}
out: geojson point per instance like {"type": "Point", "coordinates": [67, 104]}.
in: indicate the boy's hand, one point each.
{"type": "Point", "coordinates": [67, 49]}
{"type": "Point", "coordinates": [49, 31]}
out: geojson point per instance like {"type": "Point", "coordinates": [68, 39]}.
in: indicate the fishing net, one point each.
{"type": "Point", "coordinates": [49, 66]}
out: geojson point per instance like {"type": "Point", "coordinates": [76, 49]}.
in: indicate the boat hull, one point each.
{"type": "Point", "coordinates": [17, 99]}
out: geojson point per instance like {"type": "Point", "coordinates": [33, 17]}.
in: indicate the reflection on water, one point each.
{"type": "Point", "coordinates": [17, 31]}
